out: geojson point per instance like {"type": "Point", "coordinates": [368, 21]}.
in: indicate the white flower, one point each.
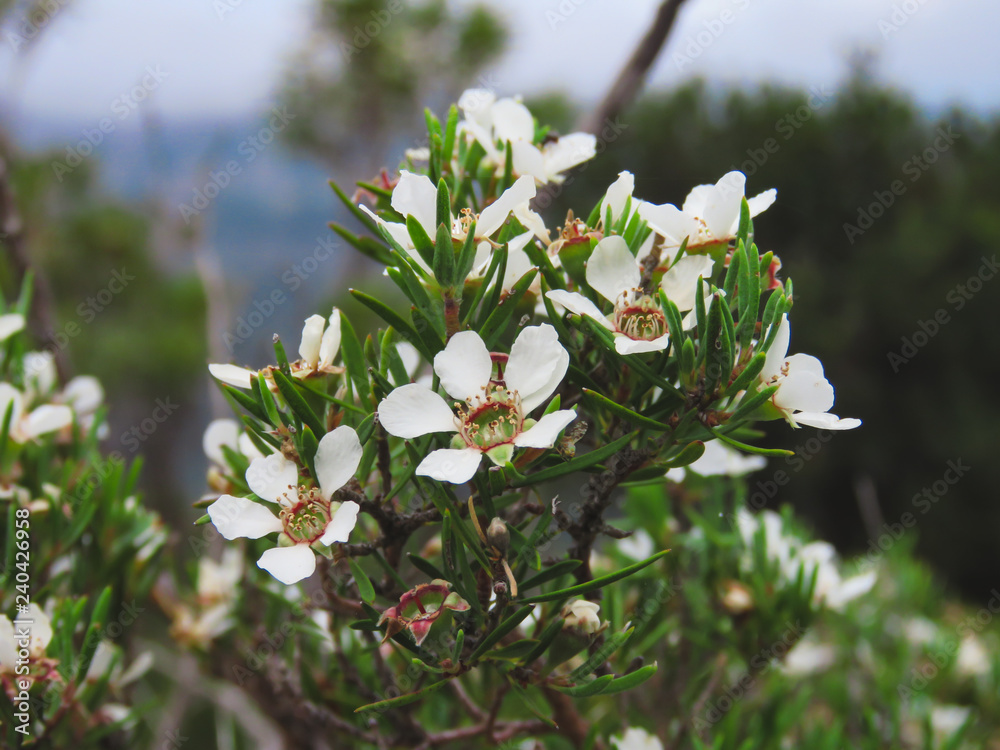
{"type": "Point", "coordinates": [710, 215]}
{"type": "Point", "coordinates": [492, 409]}
{"type": "Point", "coordinates": [948, 719]}
{"type": "Point", "coordinates": [317, 350]}
{"type": "Point", "coordinates": [637, 739]}
{"type": "Point", "coordinates": [40, 373]}
{"type": "Point", "coordinates": [719, 460]}
{"type": "Point", "coordinates": [637, 322]}
{"type": "Point", "coordinates": [10, 323]}
{"type": "Point", "coordinates": [491, 121]}
{"type": "Point", "coordinates": [972, 658]}
{"type": "Point", "coordinates": [415, 195]}
{"type": "Point", "coordinates": [228, 433]}
{"type": "Point", "coordinates": [639, 546]}
{"type": "Point", "coordinates": [618, 194]}
{"type": "Point", "coordinates": [816, 558]}
{"type": "Point", "coordinates": [582, 615]}
{"type": "Point", "coordinates": [306, 516]}
{"type": "Point", "coordinates": [809, 656]}
{"type": "Point", "coordinates": [804, 395]}
{"type": "Point", "coordinates": [30, 633]}
{"type": "Point", "coordinates": [41, 420]}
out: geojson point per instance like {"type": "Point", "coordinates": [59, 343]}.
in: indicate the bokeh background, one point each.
{"type": "Point", "coordinates": [186, 145]}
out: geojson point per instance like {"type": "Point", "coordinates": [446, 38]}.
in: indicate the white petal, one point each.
{"type": "Point", "coordinates": [396, 230]}
{"type": "Point", "coordinates": [342, 524]}
{"type": "Point", "coordinates": [477, 105]}
{"type": "Point", "coordinates": [232, 375]}
{"type": "Point", "coordinates": [413, 410]}
{"type": "Point", "coordinates": [41, 628]}
{"type": "Point", "coordinates": [415, 195]}
{"type": "Point", "coordinates": [759, 203]}
{"type": "Point", "coordinates": [494, 215]}
{"type": "Point", "coordinates": [8, 395]}
{"type": "Point", "coordinates": [722, 211]}
{"type": "Point", "coordinates": [330, 343]}
{"type": "Point", "coordinates": [779, 348]}
{"type": "Point", "coordinates": [464, 366]}
{"type": "Point", "coordinates": [543, 433]}
{"type": "Point", "coordinates": [577, 303]}
{"type": "Point", "coordinates": [612, 269]}
{"type": "Point", "coordinates": [289, 564]}
{"type": "Point", "coordinates": [625, 345]}
{"type": "Point", "coordinates": [238, 517]}
{"type": "Point", "coordinates": [851, 589]}
{"type": "Point", "coordinates": [312, 335]}
{"type": "Point", "coordinates": [536, 366]}
{"type": "Point", "coordinates": [826, 421]}
{"type": "Point", "coordinates": [450, 465]}
{"type": "Point", "coordinates": [804, 391]}
{"type": "Point", "coordinates": [40, 371]}
{"type": "Point", "coordinates": [804, 363]}
{"type": "Point", "coordinates": [670, 221]}
{"type": "Point", "coordinates": [337, 459]}
{"type": "Point", "coordinates": [84, 393]}
{"type": "Point", "coordinates": [512, 121]}
{"type": "Point", "coordinates": [721, 460]}
{"type": "Point", "coordinates": [10, 324]}
{"type": "Point", "coordinates": [247, 448]}
{"type": "Point", "coordinates": [680, 282]}
{"type": "Point", "coordinates": [697, 199]}
{"type": "Point", "coordinates": [518, 262]}
{"type": "Point", "coordinates": [220, 432]}
{"type": "Point", "coordinates": [528, 160]}
{"type": "Point", "coordinates": [272, 477]}
{"type": "Point", "coordinates": [568, 151]}
{"type": "Point", "coordinates": [617, 195]}
{"type": "Point", "coordinates": [8, 648]}
{"type": "Point", "coordinates": [47, 418]}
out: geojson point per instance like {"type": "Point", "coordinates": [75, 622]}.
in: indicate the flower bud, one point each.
{"type": "Point", "coordinates": [581, 615]}
{"type": "Point", "coordinates": [498, 536]}
{"type": "Point", "coordinates": [736, 597]}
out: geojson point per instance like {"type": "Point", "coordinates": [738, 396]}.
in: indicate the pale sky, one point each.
{"type": "Point", "coordinates": [223, 58]}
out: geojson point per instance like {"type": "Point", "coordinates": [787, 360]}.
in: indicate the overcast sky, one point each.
{"type": "Point", "coordinates": [215, 63]}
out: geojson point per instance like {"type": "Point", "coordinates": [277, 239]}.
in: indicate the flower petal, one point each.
{"type": "Point", "coordinates": [494, 215]}
{"type": "Point", "coordinates": [612, 269]}
{"type": "Point", "coordinates": [232, 375]}
{"type": "Point", "coordinates": [330, 343]}
{"type": "Point", "coordinates": [312, 335]}
{"type": "Point", "coordinates": [671, 222]}
{"type": "Point", "coordinates": [41, 628]}
{"type": "Point", "coordinates": [776, 353]}
{"type": "Point", "coordinates": [512, 121]}
{"type": "Point", "coordinates": [518, 262]}
{"type": "Point", "coordinates": [415, 195]}
{"type": "Point", "coordinates": [10, 324]}
{"type": "Point", "coordinates": [8, 648]}
{"type": "Point", "coordinates": [567, 152]}
{"type": "Point", "coordinates": [464, 366]}
{"type": "Point", "coordinates": [342, 524]}
{"type": "Point", "coordinates": [220, 432]}
{"type": "Point", "coordinates": [761, 202]}
{"type": "Point", "coordinates": [625, 345]}
{"type": "Point", "coordinates": [337, 459]}
{"type": "Point", "coordinates": [527, 159]}
{"type": "Point", "coordinates": [804, 391]}
{"type": "Point", "coordinates": [289, 564]}
{"type": "Point", "coordinates": [617, 195]}
{"type": "Point", "coordinates": [545, 431]}
{"type": "Point", "coordinates": [826, 421]}
{"type": "Point", "coordinates": [450, 465]}
{"type": "Point", "coordinates": [239, 518]}
{"type": "Point", "coordinates": [804, 363]}
{"type": "Point", "coordinates": [45, 419]}
{"type": "Point", "coordinates": [721, 212]}
{"type": "Point", "coordinates": [84, 393]}
{"type": "Point", "coordinates": [577, 303]}
{"type": "Point", "coordinates": [536, 366]}
{"type": "Point", "coordinates": [272, 476]}
{"type": "Point", "coordinates": [413, 410]}
{"type": "Point", "coordinates": [680, 282]}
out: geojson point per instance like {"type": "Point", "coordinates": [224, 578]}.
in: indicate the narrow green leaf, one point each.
{"type": "Point", "coordinates": [502, 629]}
{"type": "Point", "coordinates": [595, 399]}
{"type": "Point", "coordinates": [354, 359]}
{"type": "Point", "coordinates": [580, 462]}
{"type": "Point", "coordinates": [551, 573]}
{"type": "Point", "coordinates": [365, 587]}
{"type": "Point", "coordinates": [604, 652]}
{"type": "Point", "coordinates": [583, 588]}
{"type": "Point", "coordinates": [298, 404]}
{"type": "Point", "coordinates": [421, 241]}
{"type": "Point", "coordinates": [631, 680]}
{"type": "Point", "coordinates": [402, 700]}
{"type": "Point", "coordinates": [498, 319]}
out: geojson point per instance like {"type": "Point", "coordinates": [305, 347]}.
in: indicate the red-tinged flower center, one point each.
{"type": "Point", "coordinates": [307, 519]}
{"type": "Point", "coordinates": [639, 318]}
{"type": "Point", "coordinates": [495, 419]}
